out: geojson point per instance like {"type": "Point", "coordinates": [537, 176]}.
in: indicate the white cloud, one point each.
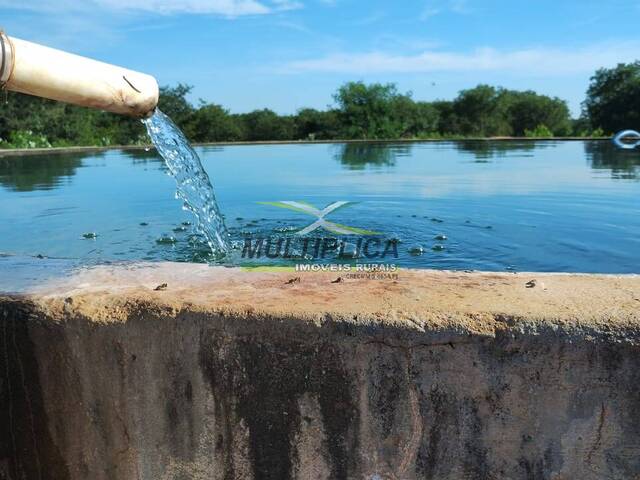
{"type": "Point", "coordinates": [230, 8]}
{"type": "Point", "coordinates": [295, 26]}
{"type": "Point", "coordinates": [284, 5]}
{"type": "Point", "coordinates": [429, 12]}
{"type": "Point", "coordinates": [532, 61]}
{"type": "Point", "coordinates": [370, 19]}
{"type": "Point", "coordinates": [218, 7]}
{"type": "Point", "coordinates": [460, 6]}
{"type": "Point", "coordinates": [433, 8]}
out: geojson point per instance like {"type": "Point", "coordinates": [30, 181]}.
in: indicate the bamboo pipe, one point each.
{"type": "Point", "coordinates": [45, 72]}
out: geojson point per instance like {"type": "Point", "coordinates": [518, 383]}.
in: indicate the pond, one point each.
{"type": "Point", "coordinates": [484, 205]}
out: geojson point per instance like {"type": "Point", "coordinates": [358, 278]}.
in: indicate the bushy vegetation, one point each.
{"type": "Point", "coordinates": [613, 98]}
{"type": "Point", "coordinates": [360, 111]}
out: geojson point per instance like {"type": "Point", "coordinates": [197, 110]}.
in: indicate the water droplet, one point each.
{"type": "Point", "coordinates": [437, 248]}
{"type": "Point", "coordinates": [416, 250]}
{"type": "Point", "coordinates": [90, 235]}
{"type": "Point", "coordinates": [440, 237]}
{"type": "Point", "coordinates": [143, 224]}
{"type": "Point", "coordinates": [194, 240]}
{"type": "Point", "coordinates": [285, 229]}
{"type": "Point", "coordinates": [166, 240]}
{"type": "Point", "coordinates": [180, 229]}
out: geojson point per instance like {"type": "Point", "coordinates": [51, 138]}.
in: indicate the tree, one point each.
{"type": "Point", "coordinates": [486, 111]}
{"type": "Point", "coordinates": [173, 103]}
{"type": "Point", "coordinates": [366, 111]}
{"type": "Point", "coordinates": [480, 112]}
{"type": "Point", "coordinates": [212, 123]}
{"type": "Point", "coordinates": [448, 122]}
{"type": "Point", "coordinates": [312, 124]}
{"type": "Point", "coordinates": [529, 110]}
{"type": "Point", "coordinates": [427, 119]}
{"type": "Point", "coordinates": [362, 111]}
{"type": "Point", "coordinates": [267, 125]}
{"type": "Point", "coordinates": [613, 98]}
{"type": "Point", "coordinates": [63, 124]}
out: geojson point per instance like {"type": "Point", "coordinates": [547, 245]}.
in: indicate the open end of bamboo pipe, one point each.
{"type": "Point", "coordinates": [49, 73]}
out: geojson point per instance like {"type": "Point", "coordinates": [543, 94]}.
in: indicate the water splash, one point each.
{"type": "Point", "coordinates": [194, 186]}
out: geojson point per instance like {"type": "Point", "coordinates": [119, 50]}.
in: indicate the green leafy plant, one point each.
{"type": "Point", "coordinates": [27, 139]}
{"type": "Point", "coordinates": [541, 131]}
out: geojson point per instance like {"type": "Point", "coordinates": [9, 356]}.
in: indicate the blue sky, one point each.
{"type": "Point", "coordinates": [288, 54]}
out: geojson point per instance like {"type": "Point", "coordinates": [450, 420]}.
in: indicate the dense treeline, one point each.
{"type": "Point", "coordinates": [360, 111]}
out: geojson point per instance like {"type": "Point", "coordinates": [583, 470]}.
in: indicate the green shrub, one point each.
{"type": "Point", "coordinates": [26, 139]}
{"type": "Point", "coordinates": [541, 131]}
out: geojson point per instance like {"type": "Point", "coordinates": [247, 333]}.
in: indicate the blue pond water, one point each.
{"type": "Point", "coordinates": [502, 206]}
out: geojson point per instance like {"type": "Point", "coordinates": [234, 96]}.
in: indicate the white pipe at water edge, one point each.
{"type": "Point", "coordinates": [45, 72]}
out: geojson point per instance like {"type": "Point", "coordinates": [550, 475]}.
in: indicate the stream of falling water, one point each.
{"type": "Point", "coordinates": [194, 186]}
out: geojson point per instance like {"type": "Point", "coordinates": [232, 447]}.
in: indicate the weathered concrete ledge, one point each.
{"type": "Point", "coordinates": [229, 374]}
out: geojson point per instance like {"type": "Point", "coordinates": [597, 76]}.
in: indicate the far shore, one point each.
{"type": "Point", "coordinates": [9, 152]}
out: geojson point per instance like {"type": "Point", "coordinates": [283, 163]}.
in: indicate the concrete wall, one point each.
{"type": "Point", "coordinates": [150, 385]}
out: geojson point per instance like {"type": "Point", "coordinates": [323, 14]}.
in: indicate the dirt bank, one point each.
{"type": "Point", "coordinates": [228, 374]}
